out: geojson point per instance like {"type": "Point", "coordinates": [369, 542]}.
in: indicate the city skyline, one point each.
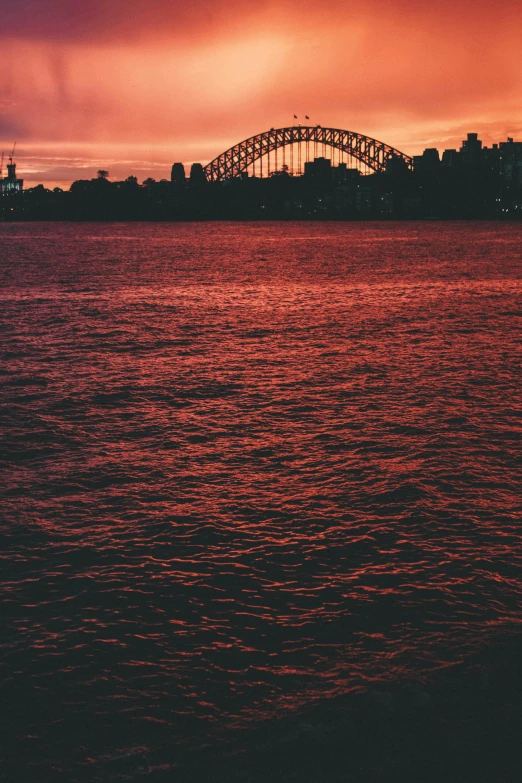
{"type": "Point", "coordinates": [474, 181]}
{"type": "Point", "coordinates": [132, 89]}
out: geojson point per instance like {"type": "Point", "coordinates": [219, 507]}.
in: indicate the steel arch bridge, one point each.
{"type": "Point", "coordinates": [236, 160]}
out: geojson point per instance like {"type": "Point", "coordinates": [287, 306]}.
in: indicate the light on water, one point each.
{"type": "Point", "coordinates": [248, 468]}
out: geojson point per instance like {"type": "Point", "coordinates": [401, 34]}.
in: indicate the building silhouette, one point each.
{"type": "Point", "coordinates": [177, 176]}
{"type": "Point", "coordinates": [197, 175]}
{"type": "Point", "coordinates": [11, 185]}
{"type": "Point", "coordinates": [474, 181]}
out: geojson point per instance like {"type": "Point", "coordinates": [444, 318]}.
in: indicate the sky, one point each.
{"type": "Point", "coordinates": [133, 85]}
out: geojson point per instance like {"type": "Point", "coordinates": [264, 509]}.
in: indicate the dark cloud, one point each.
{"type": "Point", "coordinates": [114, 19]}
{"type": "Point", "coordinates": [68, 20]}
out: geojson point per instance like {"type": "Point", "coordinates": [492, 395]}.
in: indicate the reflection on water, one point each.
{"type": "Point", "coordinates": [247, 467]}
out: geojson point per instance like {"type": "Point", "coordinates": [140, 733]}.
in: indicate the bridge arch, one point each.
{"type": "Point", "coordinates": [236, 160]}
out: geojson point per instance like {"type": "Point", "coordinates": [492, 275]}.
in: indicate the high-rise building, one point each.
{"type": "Point", "coordinates": [319, 170]}
{"type": "Point", "coordinates": [197, 174]}
{"type": "Point", "coordinates": [471, 150]}
{"type": "Point", "coordinates": [450, 158]}
{"type": "Point", "coordinates": [510, 157]}
{"type": "Point", "coordinates": [10, 184]}
{"type": "Point", "coordinates": [178, 176]}
{"type": "Point", "coordinates": [428, 161]}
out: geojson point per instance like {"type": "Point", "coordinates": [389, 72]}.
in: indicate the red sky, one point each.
{"type": "Point", "coordinates": [134, 85]}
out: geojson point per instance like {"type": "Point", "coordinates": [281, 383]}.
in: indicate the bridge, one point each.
{"type": "Point", "coordinates": [237, 160]}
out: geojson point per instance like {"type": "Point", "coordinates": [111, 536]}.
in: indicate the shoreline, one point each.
{"type": "Point", "coordinates": [271, 219]}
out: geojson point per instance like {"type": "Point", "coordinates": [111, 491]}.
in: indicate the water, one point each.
{"type": "Point", "coordinates": [246, 468]}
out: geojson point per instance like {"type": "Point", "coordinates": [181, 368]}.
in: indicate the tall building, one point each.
{"type": "Point", "coordinates": [319, 170]}
{"type": "Point", "coordinates": [10, 184]}
{"type": "Point", "coordinates": [510, 154]}
{"type": "Point", "coordinates": [471, 150]}
{"type": "Point", "coordinates": [197, 174]}
{"type": "Point", "coordinates": [178, 176]}
{"type": "Point", "coordinates": [450, 158]}
{"type": "Point", "coordinates": [428, 161]}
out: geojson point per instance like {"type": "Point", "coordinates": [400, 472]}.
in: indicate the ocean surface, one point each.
{"type": "Point", "coordinates": [247, 468]}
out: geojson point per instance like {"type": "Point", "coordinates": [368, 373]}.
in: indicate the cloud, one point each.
{"type": "Point", "coordinates": [157, 81]}
{"type": "Point", "coordinates": [116, 20]}
{"type": "Point", "coordinates": [131, 20]}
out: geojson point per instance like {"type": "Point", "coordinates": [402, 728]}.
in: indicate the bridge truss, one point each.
{"type": "Point", "coordinates": [238, 159]}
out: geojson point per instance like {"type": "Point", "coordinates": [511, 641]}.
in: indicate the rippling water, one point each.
{"type": "Point", "coordinates": [245, 467]}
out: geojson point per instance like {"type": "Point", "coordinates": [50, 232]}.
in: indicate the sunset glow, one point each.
{"type": "Point", "coordinates": [131, 87]}
{"type": "Point", "coordinates": [260, 317]}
